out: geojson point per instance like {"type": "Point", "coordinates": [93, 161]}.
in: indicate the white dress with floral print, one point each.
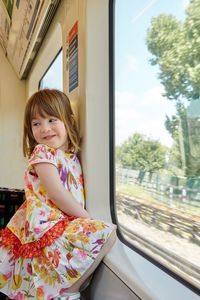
{"type": "Point", "coordinates": [43, 251]}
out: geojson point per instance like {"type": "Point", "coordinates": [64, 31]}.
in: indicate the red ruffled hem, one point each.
{"type": "Point", "coordinates": [33, 249]}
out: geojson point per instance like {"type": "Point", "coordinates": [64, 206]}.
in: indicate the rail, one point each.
{"type": "Point", "coordinates": [165, 256]}
{"type": "Point", "coordinates": [164, 218]}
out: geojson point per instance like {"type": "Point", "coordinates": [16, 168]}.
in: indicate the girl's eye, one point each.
{"type": "Point", "coordinates": [52, 120]}
{"type": "Point", "coordinates": [35, 124]}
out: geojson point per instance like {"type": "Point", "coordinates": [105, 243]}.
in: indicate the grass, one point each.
{"type": "Point", "coordinates": [139, 193]}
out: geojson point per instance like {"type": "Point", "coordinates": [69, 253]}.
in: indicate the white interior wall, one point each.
{"type": "Point", "coordinates": [96, 119]}
{"type": "Point", "coordinates": [12, 101]}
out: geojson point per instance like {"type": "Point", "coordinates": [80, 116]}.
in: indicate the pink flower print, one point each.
{"type": "Point", "coordinates": [42, 213]}
{"type": "Point", "coordinates": [27, 227]}
{"type": "Point", "coordinates": [36, 230]}
{"type": "Point", "coordinates": [82, 254]}
{"type": "Point", "coordinates": [8, 275]}
{"type": "Point", "coordinates": [19, 296]}
{"type": "Point", "coordinates": [63, 290]}
{"type": "Point", "coordinates": [29, 269]}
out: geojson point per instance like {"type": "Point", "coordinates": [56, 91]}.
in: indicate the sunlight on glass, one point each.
{"type": "Point", "coordinates": [53, 78]}
{"type": "Point", "coordinates": [157, 130]}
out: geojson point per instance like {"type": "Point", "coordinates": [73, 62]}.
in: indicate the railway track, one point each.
{"type": "Point", "coordinates": [131, 210]}
{"type": "Point", "coordinates": [164, 256]}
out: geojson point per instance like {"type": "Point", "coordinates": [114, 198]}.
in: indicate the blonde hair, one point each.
{"type": "Point", "coordinates": [53, 103]}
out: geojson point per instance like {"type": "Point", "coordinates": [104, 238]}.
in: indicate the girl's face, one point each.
{"type": "Point", "coordinates": [49, 131]}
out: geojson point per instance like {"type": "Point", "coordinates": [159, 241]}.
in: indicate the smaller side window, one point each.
{"type": "Point", "coordinates": [53, 77]}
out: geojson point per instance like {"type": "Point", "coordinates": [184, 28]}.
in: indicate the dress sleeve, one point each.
{"type": "Point", "coordinates": [43, 154]}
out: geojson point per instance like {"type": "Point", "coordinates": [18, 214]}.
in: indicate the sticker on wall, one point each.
{"type": "Point", "coordinates": [72, 57]}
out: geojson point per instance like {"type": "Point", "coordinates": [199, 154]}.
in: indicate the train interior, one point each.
{"type": "Point", "coordinates": [76, 38]}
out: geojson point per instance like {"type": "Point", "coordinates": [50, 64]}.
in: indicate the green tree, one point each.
{"type": "Point", "coordinates": [141, 153]}
{"type": "Point", "coordinates": [175, 48]}
{"type": "Point", "coordinates": [172, 125]}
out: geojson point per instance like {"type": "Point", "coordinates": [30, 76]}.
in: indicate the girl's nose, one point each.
{"type": "Point", "coordinates": [45, 128]}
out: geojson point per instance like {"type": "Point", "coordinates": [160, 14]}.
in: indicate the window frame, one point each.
{"type": "Point", "coordinates": [112, 156]}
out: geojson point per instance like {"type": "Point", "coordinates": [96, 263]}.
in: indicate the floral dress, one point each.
{"type": "Point", "coordinates": [42, 250]}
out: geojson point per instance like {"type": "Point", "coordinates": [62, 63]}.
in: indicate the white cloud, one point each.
{"type": "Point", "coordinates": [154, 96]}
{"type": "Point", "coordinates": [124, 99]}
{"type": "Point", "coordinates": [145, 115]}
{"type": "Point", "coordinates": [124, 115]}
{"type": "Point", "coordinates": [154, 100]}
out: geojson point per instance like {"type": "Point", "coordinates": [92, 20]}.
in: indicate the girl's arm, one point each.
{"type": "Point", "coordinates": [63, 199]}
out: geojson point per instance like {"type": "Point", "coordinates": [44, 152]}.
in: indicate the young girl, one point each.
{"type": "Point", "coordinates": [51, 245]}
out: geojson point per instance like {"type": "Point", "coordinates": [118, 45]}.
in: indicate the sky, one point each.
{"type": "Point", "coordinates": [54, 76]}
{"type": "Point", "coordinates": [139, 104]}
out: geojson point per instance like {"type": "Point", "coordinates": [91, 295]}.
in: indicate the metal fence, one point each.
{"type": "Point", "coordinates": [162, 187]}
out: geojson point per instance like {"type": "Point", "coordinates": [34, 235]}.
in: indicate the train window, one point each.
{"type": "Point", "coordinates": [53, 78]}
{"type": "Point", "coordinates": [157, 132]}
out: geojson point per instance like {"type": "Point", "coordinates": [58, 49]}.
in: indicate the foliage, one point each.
{"type": "Point", "coordinates": [175, 47]}
{"type": "Point", "coordinates": [141, 153]}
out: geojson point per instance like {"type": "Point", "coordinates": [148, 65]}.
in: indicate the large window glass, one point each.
{"type": "Point", "coordinates": [53, 78]}
{"type": "Point", "coordinates": [157, 131]}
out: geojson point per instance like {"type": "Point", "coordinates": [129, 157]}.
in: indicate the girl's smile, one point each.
{"type": "Point", "coordinates": [49, 131]}
{"type": "Point", "coordinates": [49, 137]}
